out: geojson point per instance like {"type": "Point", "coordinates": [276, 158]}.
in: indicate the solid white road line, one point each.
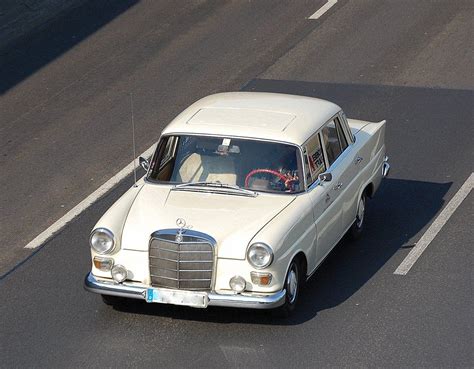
{"type": "Point", "coordinates": [323, 9]}
{"type": "Point", "coordinates": [435, 227]}
{"type": "Point", "coordinates": [84, 204]}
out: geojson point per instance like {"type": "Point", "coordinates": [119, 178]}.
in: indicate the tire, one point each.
{"type": "Point", "coordinates": [292, 285]}
{"type": "Point", "coordinates": [357, 227]}
{"type": "Point", "coordinates": [112, 300]}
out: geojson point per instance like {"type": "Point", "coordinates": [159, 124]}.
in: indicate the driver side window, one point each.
{"type": "Point", "coordinates": [313, 159]}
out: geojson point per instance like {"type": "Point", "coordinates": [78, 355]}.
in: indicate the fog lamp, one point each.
{"type": "Point", "coordinates": [119, 273]}
{"type": "Point", "coordinates": [104, 264]}
{"type": "Point", "coordinates": [237, 283]}
{"type": "Point", "coordinates": [261, 279]}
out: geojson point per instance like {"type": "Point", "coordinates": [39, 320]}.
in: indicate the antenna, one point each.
{"type": "Point", "coordinates": [133, 143]}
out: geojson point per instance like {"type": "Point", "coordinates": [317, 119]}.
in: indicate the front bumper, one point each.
{"type": "Point", "coordinates": [138, 291]}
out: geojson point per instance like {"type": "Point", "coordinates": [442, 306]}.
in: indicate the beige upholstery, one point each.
{"type": "Point", "coordinates": [259, 184]}
{"type": "Point", "coordinates": [197, 168]}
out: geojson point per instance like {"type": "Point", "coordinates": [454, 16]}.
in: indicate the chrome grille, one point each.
{"type": "Point", "coordinates": [186, 265]}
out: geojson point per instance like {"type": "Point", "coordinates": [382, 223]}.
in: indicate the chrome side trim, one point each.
{"type": "Point", "coordinates": [385, 167]}
{"type": "Point", "coordinates": [138, 291]}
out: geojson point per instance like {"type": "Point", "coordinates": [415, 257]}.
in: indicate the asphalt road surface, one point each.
{"type": "Point", "coordinates": [65, 130]}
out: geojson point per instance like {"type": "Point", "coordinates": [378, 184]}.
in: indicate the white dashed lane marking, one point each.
{"type": "Point", "coordinates": [435, 227]}
{"type": "Point", "coordinates": [323, 9]}
{"type": "Point", "coordinates": [85, 204]}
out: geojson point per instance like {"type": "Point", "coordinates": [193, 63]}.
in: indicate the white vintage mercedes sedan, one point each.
{"type": "Point", "coordinates": [244, 197]}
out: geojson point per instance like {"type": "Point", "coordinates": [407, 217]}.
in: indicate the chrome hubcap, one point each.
{"type": "Point", "coordinates": [292, 285]}
{"type": "Point", "coordinates": [360, 213]}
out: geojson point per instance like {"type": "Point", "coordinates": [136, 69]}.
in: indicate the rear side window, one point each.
{"type": "Point", "coordinates": [331, 142]}
{"type": "Point", "coordinates": [346, 128]}
{"type": "Point", "coordinates": [334, 140]}
{"type": "Point", "coordinates": [340, 133]}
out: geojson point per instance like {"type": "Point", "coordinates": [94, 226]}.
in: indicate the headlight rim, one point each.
{"type": "Point", "coordinates": [109, 233]}
{"type": "Point", "coordinates": [268, 248]}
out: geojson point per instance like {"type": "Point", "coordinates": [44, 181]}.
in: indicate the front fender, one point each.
{"type": "Point", "coordinates": [290, 232]}
{"type": "Point", "coordinates": [115, 217]}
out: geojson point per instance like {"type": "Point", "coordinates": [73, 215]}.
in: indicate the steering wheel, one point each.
{"type": "Point", "coordinates": [283, 178]}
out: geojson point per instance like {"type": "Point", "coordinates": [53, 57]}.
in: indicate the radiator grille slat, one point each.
{"type": "Point", "coordinates": [188, 264]}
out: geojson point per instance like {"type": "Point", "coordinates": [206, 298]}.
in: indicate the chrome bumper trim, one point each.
{"type": "Point", "coordinates": [252, 302]}
{"type": "Point", "coordinates": [385, 167]}
{"type": "Point", "coordinates": [112, 288]}
{"type": "Point", "coordinates": [102, 287]}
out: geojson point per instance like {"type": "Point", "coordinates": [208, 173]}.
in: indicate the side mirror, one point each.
{"type": "Point", "coordinates": [325, 177]}
{"type": "Point", "coordinates": [145, 164]}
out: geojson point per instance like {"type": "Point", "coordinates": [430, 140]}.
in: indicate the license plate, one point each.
{"type": "Point", "coordinates": [187, 298]}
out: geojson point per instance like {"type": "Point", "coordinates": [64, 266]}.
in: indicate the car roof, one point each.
{"type": "Point", "coordinates": [268, 116]}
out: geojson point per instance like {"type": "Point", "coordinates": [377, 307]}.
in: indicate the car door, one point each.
{"type": "Point", "coordinates": [322, 197]}
{"type": "Point", "coordinates": [350, 181]}
{"type": "Point", "coordinates": [338, 155]}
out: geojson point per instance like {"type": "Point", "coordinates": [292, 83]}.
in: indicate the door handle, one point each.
{"type": "Point", "coordinates": [358, 160]}
{"type": "Point", "coordinates": [337, 187]}
{"type": "Point", "coordinates": [328, 198]}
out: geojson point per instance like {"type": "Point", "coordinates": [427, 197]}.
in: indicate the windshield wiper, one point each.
{"type": "Point", "coordinates": [216, 184]}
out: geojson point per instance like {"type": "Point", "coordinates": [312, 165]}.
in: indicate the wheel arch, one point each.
{"type": "Point", "coordinates": [300, 256]}
{"type": "Point", "coordinates": [369, 190]}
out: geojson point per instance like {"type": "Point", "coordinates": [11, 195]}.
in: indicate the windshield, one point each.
{"type": "Point", "coordinates": [250, 164]}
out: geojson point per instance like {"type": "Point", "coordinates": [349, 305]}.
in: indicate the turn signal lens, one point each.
{"type": "Point", "coordinates": [237, 283]}
{"type": "Point", "coordinates": [261, 279]}
{"type": "Point", "coordinates": [104, 264]}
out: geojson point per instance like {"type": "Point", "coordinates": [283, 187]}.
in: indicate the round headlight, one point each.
{"type": "Point", "coordinates": [260, 255]}
{"type": "Point", "coordinates": [102, 240]}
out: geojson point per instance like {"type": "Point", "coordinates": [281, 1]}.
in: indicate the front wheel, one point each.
{"type": "Point", "coordinates": [357, 227]}
{"type": "Point", "coordinates": [292, 286]}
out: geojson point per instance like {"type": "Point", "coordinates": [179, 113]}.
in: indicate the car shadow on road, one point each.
{"type": "Point", "coordinates": [398, 212]}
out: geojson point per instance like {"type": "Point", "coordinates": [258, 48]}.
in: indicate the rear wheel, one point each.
{"type": "Point", "coordinates": [292, 286]}
{"type": "Point", "coordinates": [357, 227]}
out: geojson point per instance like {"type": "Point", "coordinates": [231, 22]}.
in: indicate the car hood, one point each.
{"type": "Point", "coordinates": [230, 219]}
